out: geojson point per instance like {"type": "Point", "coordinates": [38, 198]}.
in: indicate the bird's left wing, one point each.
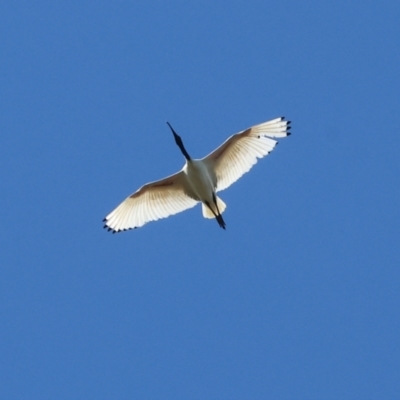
{"type": "Point", "coordinates": [152, 201]}
{"type": "Point", "coordinates": [240, 152]}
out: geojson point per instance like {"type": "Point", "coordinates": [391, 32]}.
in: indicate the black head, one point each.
{"type": "Point", "coordinates": [179, 142]}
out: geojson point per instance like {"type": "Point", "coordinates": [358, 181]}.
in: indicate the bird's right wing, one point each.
{"type": "Point", "coordinates": [153, 201]}
{"type": "Point", "coordinates": [240, 152]}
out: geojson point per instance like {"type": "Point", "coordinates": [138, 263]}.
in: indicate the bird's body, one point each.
{"type": "Point", "coordinates": [200, 184]}
{"type": "Point", "coordinates": [199, 180]}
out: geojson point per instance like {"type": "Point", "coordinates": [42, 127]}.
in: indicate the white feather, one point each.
{"type": "Point", "coordinates": [153, 201]}
{"type": "Point", "coordinates": [199, 179]}
{"type": "Point", "coordinates": [240, 152]}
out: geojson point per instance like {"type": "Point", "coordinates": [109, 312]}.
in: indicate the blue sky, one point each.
{"type": "Point", "coordinates": [299, 297]}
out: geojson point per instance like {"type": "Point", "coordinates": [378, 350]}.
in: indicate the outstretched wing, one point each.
{"type": "Point", "coordinates": [153, 201]}
{"type": "Point", "coordinates": [240, 152]}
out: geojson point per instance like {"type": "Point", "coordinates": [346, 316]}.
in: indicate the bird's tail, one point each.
{"type": "Point", "coordinates": [207, 213]}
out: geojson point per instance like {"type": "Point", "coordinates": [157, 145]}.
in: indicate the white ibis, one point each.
{"type": "Point", "coordinates": [199, 180]}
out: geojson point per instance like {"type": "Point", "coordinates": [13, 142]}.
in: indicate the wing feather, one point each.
{"type": "Point", "coordinates": [241, 151]}
{"type": "Point", "coordinates": [151, 202]}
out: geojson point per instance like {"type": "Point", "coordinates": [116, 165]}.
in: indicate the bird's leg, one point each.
{"type": "Point", "coordinates": [218, 216]}
{"type": "Point", "coordinates": [220, 220]}
{"type": "Point", "coordinates": [215, 202]}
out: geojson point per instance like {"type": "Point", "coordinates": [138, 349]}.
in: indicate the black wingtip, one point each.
{"type": "Point", "coordinates": [117, 230]}
{"type": "Point", "coordinates": [288, 133]}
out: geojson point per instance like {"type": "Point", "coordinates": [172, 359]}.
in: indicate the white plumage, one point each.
{"type": "Point", "coordinates": [199, 180]}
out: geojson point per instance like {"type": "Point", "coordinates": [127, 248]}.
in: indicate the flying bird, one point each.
{"type": "Point", "coordinates": [198, 180]}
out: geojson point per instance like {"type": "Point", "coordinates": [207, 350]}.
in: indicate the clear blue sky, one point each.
{"type": "Point", "coordinates": [298, 299]}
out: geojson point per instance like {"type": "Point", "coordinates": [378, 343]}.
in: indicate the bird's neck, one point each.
{"type": "Point", "coordinates": [185, 153]}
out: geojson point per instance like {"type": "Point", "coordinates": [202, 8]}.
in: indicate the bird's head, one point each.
{"type": "Point", "coordinates": [178, 141]}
